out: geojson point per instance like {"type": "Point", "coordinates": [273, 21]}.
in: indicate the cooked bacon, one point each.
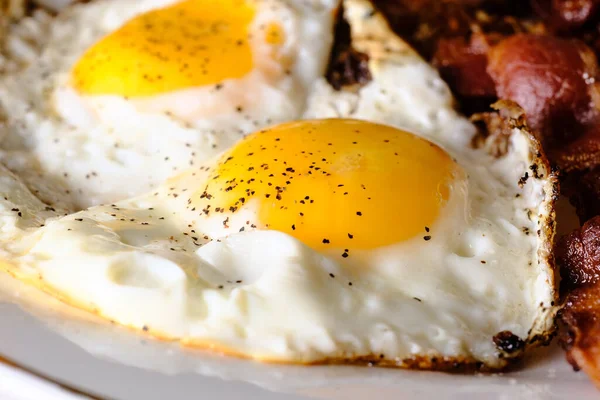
{"type": "Point", "coordinates": [551, 78]}
{"type": "Point", "coordinates": [565, 15]}
{"type": "Point", "coordinates": [463, 64]}
{"type": "Point", "coordinates": [482, 59]}
{"type": "Point", "coordinates": [578, 255]}
{"type": "Point", "coordinates": [423, 23]}
{"type": "Point", "coordinates": [581, 154]}
{"type": "Point", "coordinates": [581, 340]}
{"type": "Point", "coordinates": [583, 190]}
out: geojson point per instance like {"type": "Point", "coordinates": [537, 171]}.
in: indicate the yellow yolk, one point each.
{"type": "Point", "coordinates": [274, 35]}
{"type": "Point", "coordinates": [191, 43]}
{"type": "Point", "coordinates": [336, 183]}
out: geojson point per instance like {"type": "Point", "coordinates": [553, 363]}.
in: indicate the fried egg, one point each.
{"type": "Point", "coordinates": [122, 95]}
{"type": "Point", "coordinates": [371, 230]}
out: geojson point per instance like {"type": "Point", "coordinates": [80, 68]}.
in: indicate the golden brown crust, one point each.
{"type": "Point", "coordinates": [458, 365]}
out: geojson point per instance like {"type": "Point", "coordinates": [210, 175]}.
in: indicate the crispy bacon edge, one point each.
{"type": "Point", "coordinates": [578, 255]}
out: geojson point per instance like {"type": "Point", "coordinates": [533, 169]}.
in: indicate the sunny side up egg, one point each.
{"type": "Point", "coordinates": [123, 94]}
{"type": "Point", "coordinates": [341, 237]}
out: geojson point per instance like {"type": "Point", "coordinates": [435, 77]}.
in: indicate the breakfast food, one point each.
{"type": "Point", "coordinates": [578, 255]}
{"type": "Point", "coordinates": [337, 237]}
{"type": "Point", "coordinates": [110, 98]}
{"type": "Point", "coordinates": [542, 54]}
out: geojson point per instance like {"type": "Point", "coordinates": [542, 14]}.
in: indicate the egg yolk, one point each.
{"type": "Point", "coordinates": [274, 35]}
{"type": "Point", "coordinates": [191, 43]}
{"type": "Point", "coordinates": [339, 183]}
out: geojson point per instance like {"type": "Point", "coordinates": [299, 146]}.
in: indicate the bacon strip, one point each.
{"type": "Point", "coordinates": [578, 255]}
{"type": "Point", "coordinates": [552, 79]}
{"type": "Point", "coordinates": [581, 154]}
{"type": "Point", "coordinates": [463, 64]}
{"type": "Point", "coordinates": [565, 15]}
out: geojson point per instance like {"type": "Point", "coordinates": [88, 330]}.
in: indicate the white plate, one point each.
{"type": "Point", "coordinates": [81, 351]}
{"type": "Point", "coordinates": [77, 350]}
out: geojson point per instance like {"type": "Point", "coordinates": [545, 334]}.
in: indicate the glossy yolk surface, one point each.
{"type": "Point", "coordinates": [191, 43]}
{"type": "Point", "coordinates": [335, 183]}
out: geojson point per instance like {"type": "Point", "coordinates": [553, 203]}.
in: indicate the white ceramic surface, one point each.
{"type": "Point", "coordinates": [16, 384]}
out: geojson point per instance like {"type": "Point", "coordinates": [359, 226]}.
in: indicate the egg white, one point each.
{"type": "Point", "coordinates": [145, 262]}
{"type": "Point", "coordinates": [100, 149]}
{"type": "Point", "coordinates": [264, 294]}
